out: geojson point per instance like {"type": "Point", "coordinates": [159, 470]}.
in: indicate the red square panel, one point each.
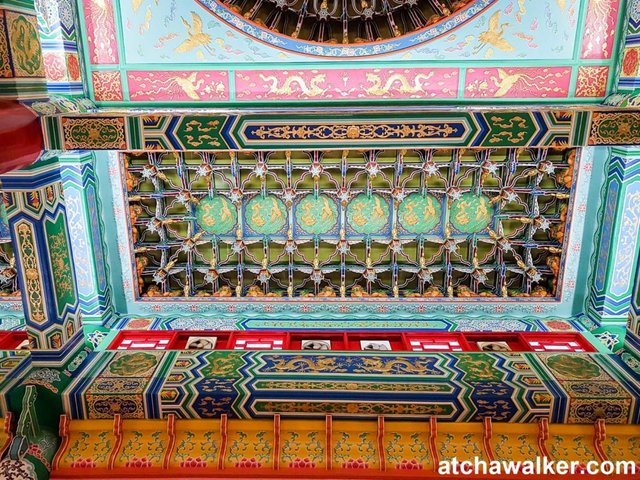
{"type": "Point", "coordinates": [555, 346]}
{"type": "Point", "coordinates": [435, 344]}
{"type": "Point", "coordinates": [251, 342]}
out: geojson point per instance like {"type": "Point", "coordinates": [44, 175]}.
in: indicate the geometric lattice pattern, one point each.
{"type": "Point", "coordinates": [375, 223]}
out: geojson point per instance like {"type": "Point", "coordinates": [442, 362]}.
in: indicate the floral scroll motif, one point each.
{"type": "Point", "coordinates": [303, 449]}
{"type": "Point", "coordinates": [251, 449]}
{"type": "Point", "coordinates": [55, 67]}
{"type": "Point", "coordinates": [107, 86]}
{"type": "Point", "coordinates": [98, 133]}
{"type": "Point", "coordinates": [592, 81]}
{"type": "Point", "coordinates": [32, 274]}
{"type": "Point", "coordinates": [614, 128]}
{"type": "Point", "coordinates": [339, 131]}
{"type": "Point", "coordinates": [197, 449]}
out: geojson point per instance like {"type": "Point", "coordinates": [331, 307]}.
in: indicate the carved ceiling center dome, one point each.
{"type": "Point", "coordinates": [340, 28]}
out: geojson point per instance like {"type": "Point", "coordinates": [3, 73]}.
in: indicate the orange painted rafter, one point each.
{"type": "Point", "coordinates": [392, 444]}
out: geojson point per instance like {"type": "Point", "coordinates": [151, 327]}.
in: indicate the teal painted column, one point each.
{"type": "Point", "coordinates": [83, 212]}
{"type": "Point", "coordinates": [618, 248]}
{"type": "Point", "coordinates": [38, 224]}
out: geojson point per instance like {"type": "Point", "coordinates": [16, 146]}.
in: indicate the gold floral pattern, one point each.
{"type": "Point", "coordinates": [31, 272]}
{"type": "Point", "coordinates": [249, 448]}
{"type": "Point", "coordinates": [614, 128]}
{"type": "Point", "coordinates": [143, 448]}
{"type": "Point", "coordinates": [197, 448]}
{"type": "Point", "coordinates": [364, 131]}
{"type": "Point", "coordinates": [107, 86]}
{"type": "Point", "coordinates": [355, 450]}
{"type": "Point", "coordinates": [100, 133]}
{"type": "Point", "coordinates": [592, 81]}
{"type": "Point", "coordinates": [302, 449]}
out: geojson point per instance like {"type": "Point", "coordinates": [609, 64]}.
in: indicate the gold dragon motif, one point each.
{"type": "Point", "coordinates": [377, 89]}
{"type": "Point", "coordinates": [313, 90]}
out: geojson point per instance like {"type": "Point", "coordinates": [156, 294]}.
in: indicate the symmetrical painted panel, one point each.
{"type": "Point", "coordinates": [360, 224]}
{"type": "Point", "coordinates": [541, 46]}
{"type": "Point", "coordinates": [203, 131]}
{"type": "Point", "coordinates": [165, 302]}
{"type": "Point", "coordinates": [369, 449]}
{"type": "Point", "coordinates": [576, 388]}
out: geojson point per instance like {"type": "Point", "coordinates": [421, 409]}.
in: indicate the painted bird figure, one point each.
{"type": "Point", "coordinates": [494, 35]}
{"type": "Point", "coordinates": [197, 38]}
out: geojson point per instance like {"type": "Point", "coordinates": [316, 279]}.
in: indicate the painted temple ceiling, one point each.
{"type": "Point", "coordinates": [188, 51]}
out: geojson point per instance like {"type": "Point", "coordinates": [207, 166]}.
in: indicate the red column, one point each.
{"type": "Point", "coordinates": [20, 136]}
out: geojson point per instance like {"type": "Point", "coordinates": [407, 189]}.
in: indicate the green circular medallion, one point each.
{"type": "Point", "coordinates": [266, 215]}
{"type": "Point", "coordinates": [133, 364]}
{"type": "Point", "coordinates": [216, 215]}
{"type": "Point", "coordinates": [368, 214]}
{"type": "Point", "coordinates": [471, 213]}
{"type": "Point", "coordinates": [419, 214]}
{"type": "Point", "coordinates": [573, 366]}
{"type": "Point", "coordinates": [316, 215]}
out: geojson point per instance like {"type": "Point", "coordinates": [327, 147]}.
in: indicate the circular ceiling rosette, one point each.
{"type": "Point", "coordinates": [345, 28]}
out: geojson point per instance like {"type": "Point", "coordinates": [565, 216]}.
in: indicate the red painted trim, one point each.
{"type": "Point", "coordinates": [260, 474]}
{"type": "Point", "coordinates": [381, 452]}
{"type": "Point", "coordinates": [543, 436]}
{"type": "Point", "coordinates": [63, 431]}
{"type": "Point", "coordinates": [276, 441]}
{"type": "Point", "coordinates": [20, 136]}
{"type": "Point", "coordinates": [433, 434]}
{"type": "Point", "coordinates": [599, 435]}
{"type": "Point", "coordinates": [171, 432]}
{"type": "Point", "coordinates": [223, 440]}
{"type": "Point", "coordinates": [329, 435]}
{"type": "Point", "coordinates": [486, 438]}
{"type": "Point", "coordinates": [350, 341]}
{"type": "Point", "coordinates": [117, 433]}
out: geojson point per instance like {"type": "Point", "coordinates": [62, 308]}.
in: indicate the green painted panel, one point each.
{"type": "Point", "coordinates": [60, 261]}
